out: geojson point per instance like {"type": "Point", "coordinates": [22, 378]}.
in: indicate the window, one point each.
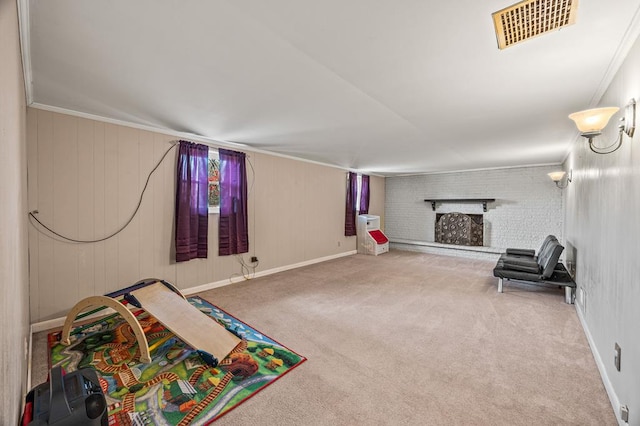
{"type": "Point", "coordinates": [214, 181]}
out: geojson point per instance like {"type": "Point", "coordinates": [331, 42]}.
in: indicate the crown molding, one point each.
{"type": "Point", "coordinates": [216, 143]}
{"type": "Point", "coordinates": [25, 47]}
{"type": "Point", "coordinates": [628, 40]}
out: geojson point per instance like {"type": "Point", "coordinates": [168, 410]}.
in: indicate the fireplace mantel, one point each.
{"type": "Point", "coordinates": [482, 201]}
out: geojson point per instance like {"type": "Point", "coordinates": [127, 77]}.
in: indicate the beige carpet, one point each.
{"type": "Point", "coordinates": [411, 338]}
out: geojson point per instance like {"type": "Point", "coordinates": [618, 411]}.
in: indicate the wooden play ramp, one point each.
{"type": "Point", "coordinates": [167, 304]}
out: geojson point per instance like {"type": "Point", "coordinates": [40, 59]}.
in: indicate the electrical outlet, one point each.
{"type": "Point", "coordinates": [254, 259]}
{"type": "Point", "coordinates": [583, 300]}
{"type": "Point", "coordinates": [624, 413]}
{"type": "Point", "coordinates": [616, 356]}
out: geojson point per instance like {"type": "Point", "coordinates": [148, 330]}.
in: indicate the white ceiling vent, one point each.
{"type": "Point", "coordinates": [531, 18]}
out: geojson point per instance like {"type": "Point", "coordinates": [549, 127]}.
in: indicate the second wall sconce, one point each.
{"type": "Point", "coordinates": [590, 122]}
{"type": "Point", "coordinates": [557, 177]}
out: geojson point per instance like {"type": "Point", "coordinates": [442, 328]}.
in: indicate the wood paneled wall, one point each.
{"type": "Point", "coordinates": [14, 295]}
{"type": "Point", "coordinates": [85, 178]}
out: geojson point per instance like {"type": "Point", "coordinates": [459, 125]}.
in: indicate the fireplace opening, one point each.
{"type": "Point", "coordinates": [459, 229]}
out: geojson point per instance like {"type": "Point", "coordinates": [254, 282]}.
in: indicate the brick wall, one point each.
{"type": "Point", "coordinates": [528, 205]}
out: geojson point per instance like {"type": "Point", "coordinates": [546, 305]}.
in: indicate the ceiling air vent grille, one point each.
{"type": "Point", "coordinates": [531, 18]}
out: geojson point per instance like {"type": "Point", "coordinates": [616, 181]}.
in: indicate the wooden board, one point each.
{"type": "Point", "coordinates": [189, 324]}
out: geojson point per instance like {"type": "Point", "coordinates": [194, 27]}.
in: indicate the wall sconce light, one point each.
{"type": "Point", "coordinates": [591, 122]}
{"type": "Point", "coordinates": [557, 177]}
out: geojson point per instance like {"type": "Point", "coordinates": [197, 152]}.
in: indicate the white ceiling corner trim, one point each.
{"type": "Point", "coordinates": [214, 143]}
{"type": "Point", "coordinates": [25, 47]}
{"type": "Point", "coordinates": [631, 35]}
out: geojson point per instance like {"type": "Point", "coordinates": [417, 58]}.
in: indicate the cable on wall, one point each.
{"type": "Point", "coordinates": [253, 216]}
{"type": "Point", "coordinates": [253, 220]}
{"type": "Point", "coordinates": [247, 271]}
{"type": "Point", "coordinates": [245, 268]}
{"type": "Point", "coordinates": [32, 214]}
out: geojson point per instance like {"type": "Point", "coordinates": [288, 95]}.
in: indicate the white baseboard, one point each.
{"type": "Point", "coordinates": [59, 322]}
{"type": "Point", "coordinates": [469, 252]}
{"type": "Point", "coordinates": [613, 398]}
{"type": "Point", "coordinates": [209, 286]}
{"type": "Point", "coordinates": [37, 327]}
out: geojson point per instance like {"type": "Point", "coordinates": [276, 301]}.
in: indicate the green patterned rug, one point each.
{"type": "Point", "coordinates": [177, 387]}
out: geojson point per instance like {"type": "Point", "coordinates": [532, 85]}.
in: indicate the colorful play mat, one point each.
{"type": "Point", "coordinates": [177, 387]}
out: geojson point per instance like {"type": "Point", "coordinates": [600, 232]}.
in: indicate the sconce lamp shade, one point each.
{"type": "Point", "coordinates": [592, 121]}
{"type": "Point", "coordinates": [556, 176]}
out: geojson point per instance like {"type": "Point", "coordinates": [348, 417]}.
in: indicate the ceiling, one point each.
{"type": "Point", "coordinates": [388, 87]}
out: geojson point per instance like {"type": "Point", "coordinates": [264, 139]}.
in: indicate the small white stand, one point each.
{"type": "Point", "coordinates": [371, 240]}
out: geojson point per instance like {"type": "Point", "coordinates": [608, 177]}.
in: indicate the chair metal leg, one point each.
{"type": "Point", "coordinates": [499, 285]}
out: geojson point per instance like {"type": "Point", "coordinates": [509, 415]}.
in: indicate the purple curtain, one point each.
{"type": "Point", "coordinates": [364, 195]}
{"type": "Point", "coordinates": [350, 210]}
{"type": "Point", "coordinates": [233, 230]}
{"type": "Point", "coordinates": [192, 207]}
